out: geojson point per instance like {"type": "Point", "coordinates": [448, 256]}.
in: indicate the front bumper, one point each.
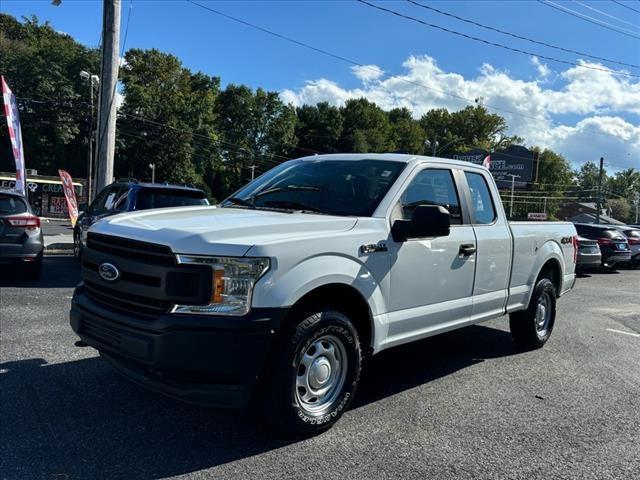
{"type": "Point", "coordinates": [210, 360]}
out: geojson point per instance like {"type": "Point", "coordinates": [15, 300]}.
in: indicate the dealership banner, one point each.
{"type": "Point", "coordinates": [70, 195]}
{"type": "Point", "coordinates": [15, 133]}
{"type": "Point", "coordinates": [514, 160]}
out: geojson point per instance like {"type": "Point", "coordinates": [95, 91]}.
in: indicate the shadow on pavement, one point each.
{"type": "Point", "coordinates": [57, 272]}
{"type": "Point", "coordinates": [80, 419]}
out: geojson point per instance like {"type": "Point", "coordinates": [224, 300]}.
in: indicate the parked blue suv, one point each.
{"type": "Point", "coordinates": [129, 196]}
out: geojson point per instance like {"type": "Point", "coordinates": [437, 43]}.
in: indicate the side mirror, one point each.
{"type": "Point", "coordinates": [426, 221]}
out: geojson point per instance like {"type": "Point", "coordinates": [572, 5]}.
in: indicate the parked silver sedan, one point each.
{"type": "Point", "coordinates": [589, 255]}
{"type": "Point", "coordinates": [21, 241]}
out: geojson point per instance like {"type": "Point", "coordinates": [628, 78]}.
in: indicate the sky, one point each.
{"type": "Point", "coordinates": [579, 108]}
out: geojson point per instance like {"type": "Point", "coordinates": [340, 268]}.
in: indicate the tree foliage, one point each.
{"type": "Point", "coordinates": [43, 69]}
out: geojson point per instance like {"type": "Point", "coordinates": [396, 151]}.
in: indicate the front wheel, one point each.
{"type": "Point", "coordinates": [314, 374]}
{"type": "Point", "coordinates": [531, 328]}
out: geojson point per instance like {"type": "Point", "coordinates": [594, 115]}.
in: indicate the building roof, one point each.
{"type": "Point", "coordinates": [591, 218]}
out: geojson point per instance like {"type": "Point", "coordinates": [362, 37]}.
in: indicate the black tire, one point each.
{"type": "Point", "coordinates": [77, 245]}
{"type": "Point", "coordinates": [33, 271]}
{"type": "Point", "coordinates": [282, 403]}
{"type": "Point", "coordinates": [527, 329]}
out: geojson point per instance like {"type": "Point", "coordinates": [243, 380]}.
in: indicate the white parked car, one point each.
{"type": "Point", "coordinates": [282, 290]}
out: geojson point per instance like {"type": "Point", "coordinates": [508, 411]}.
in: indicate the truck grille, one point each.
{"type": "Point", "coordinates": [150, 280]}
{"type": "Point", "coordinates": [126, 301]}
{"type": "Point", "coordinates": [133, 249]}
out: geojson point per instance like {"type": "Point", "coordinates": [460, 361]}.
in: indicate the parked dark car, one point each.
{"type": "Point", "coordinates": [614, 246]}
{"type": "Point", "coordinates": [129, 196]}
{"type": "Point", "coordinates": [21, 241]}
{"type": "Point", "coordinates": [589, 255]}
{"type": "Point", "coordinates": [633, 237]}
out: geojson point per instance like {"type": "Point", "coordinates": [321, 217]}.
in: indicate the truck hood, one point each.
{"type": "Point", "coordinates": [218, 231]}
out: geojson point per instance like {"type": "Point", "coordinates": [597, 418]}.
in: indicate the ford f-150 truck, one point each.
{"type": "Point", "coordinates": [280, 293]}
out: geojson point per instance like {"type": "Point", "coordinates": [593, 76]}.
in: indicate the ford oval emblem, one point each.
{"type": "Point", "coordinates": [108, 271]}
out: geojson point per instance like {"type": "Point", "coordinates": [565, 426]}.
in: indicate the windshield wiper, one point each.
{"type": "Point", "coordinates": [268, 191]}
{"type": "Point", "coordinates": [303, 207]}
{"type": "Point", "coordinates": [241, 201]}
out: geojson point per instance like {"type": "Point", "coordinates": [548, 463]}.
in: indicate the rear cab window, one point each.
{"type": "Point", "coordinates": [162, 198]}
{"type": "Point", "coordinates": [11, 204]}
{"type": "Point", "coordinates": [482, 206]}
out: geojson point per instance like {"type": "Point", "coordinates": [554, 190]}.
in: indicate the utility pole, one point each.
{"type": "Point", "coordinates": [513, 186]}
{"type": "Point", "coordinates": [637, 202]}
{"type": "Point", "coordinates": [599, 199]}
{"type": "Point", "coordinates": [253, 171]}
{"type": "Point", "coordinates": [108, 83]}
{"type": "Point", "coordinates": [152, 166]}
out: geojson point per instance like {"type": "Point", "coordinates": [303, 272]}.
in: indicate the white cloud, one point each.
{"type": "Point", "coordinates": [367, 73]}
{"type": "Point", "coordinates": [543, 68]}
{"type": "Point", "coordinates": [605, 104]}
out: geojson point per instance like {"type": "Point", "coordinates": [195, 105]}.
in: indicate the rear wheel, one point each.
{"type": "Point", "coordinates": [314, 374]}
{"type": "Point", "coordinates": [531, 328]}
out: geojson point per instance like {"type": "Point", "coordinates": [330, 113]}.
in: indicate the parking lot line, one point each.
{"type": "Point", "coordinates": [622, 331]}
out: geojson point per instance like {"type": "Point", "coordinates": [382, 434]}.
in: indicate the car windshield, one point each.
{"type": "Point", "coordinates": [10, 204]}
{"type": "Point", "coordinates": [160, 198]}
{"type": "Point", "coordinates": [332, 187]}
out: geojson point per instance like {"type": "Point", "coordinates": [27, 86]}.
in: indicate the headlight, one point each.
{"type": "Point", "coordinates": [232, 283]}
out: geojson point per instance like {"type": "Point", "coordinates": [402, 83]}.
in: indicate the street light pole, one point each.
{"type": "Point", "coordinates": [91, 78]}
{"type": "Point", "coordinates": [152, 166]}
{"type": "Point", "coordinates": [253, 171]}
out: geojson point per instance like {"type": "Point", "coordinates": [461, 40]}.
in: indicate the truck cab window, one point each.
{"type": "Point", "coordinates": [431, 187]}
{"type": "Point", "coordinates": [481, 202]}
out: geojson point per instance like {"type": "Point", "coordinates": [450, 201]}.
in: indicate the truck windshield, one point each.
{"type": "Point", "coordinates": [332, 187]}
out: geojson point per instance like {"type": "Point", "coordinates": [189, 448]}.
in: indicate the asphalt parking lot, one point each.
{"type": "Point", "coordinates": [461, 405]}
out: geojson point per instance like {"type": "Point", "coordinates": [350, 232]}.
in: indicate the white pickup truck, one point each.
{"type": "Point", "coordinates": [279, 293]}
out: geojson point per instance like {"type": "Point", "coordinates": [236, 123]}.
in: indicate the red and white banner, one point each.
{"type": "Point", "coordinates": [486, 163]}
{"type": "Point", "coordinates": [70, 195]}
{"type": "Point", "coordinates": [13, 122]}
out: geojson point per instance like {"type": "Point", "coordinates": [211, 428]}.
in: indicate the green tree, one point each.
{"type": "Point", "coordinates": [167, 118]}
{"type": "Point", "coordinates": [555, 179]}
{"type": "Point", "coordinates": [318, 129]}
{"type": "Point", "coordinates": [466, 129]}
{"type": "Point", "coordinates": [587, 180]}
{"type": "Point", "coordinates": [43, 69]}
{"type": "Point", "coordinates": [256, 128]}
{"type": "Point", "coordinates": [408, 135]}
{"type": "Point", "coordinates": [366, 128]}
{"type": "Point", "coordinates": [620, 208]}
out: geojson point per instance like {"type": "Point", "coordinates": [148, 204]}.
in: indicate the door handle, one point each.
{"type": "Point", "coordinates": [467, 249]}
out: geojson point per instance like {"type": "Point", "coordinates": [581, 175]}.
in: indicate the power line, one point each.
{"type": "Point", "coordinates": [625, 6]}
{"type": "Point", "coordinates": [589, 19]}
{"type": "Point", "coordinates": [494, 44]}
{"type": "Point", "coordinates": [604, 13]}
{"type": "Point", "coordinates": [372, 69]}
{"type": "Point", "coordinates": [520, 37]}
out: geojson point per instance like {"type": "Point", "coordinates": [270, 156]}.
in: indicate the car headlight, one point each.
{"type": "Point", "coordinates": [232, 284]}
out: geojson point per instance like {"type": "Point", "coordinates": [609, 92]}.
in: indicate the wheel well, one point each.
{"type": "Point", "coordinates": [551, 270]}
{"type": "Point", "coordinates": [343, 298]}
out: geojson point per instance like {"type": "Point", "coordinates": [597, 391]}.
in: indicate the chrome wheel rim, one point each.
{"type": "Point", "coordinates": [76, 246]}
{"type": "Point", "coordinates": [543, 314]}
{"type": "Point", "coordinates": [320, 374]}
